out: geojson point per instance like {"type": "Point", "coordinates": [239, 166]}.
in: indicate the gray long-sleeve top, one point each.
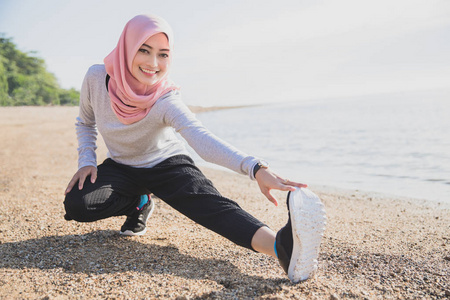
{"type": "Point", "coordinates": [151, 140]}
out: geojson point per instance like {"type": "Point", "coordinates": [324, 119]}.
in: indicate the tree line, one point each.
{"type": "Point", "coordinates": [24, 80]}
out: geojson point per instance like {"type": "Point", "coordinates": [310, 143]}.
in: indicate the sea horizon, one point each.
{"type": "Point", "coordinates": [395, 144]}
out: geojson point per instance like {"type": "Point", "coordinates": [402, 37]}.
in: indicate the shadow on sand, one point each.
{"type": "Point", "coordinates": [105, 252]}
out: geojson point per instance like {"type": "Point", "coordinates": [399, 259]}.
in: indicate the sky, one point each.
{"type": "Point", "coordinates": [240, 52]}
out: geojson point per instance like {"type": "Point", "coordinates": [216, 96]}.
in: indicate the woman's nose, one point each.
{"type": "Point", "coordinates": [153, 61]}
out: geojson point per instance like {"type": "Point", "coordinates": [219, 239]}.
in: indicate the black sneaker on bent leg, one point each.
{"type": "Point", "coordinates": [136, 223]}
{"type": "Point", "coordinates": [297, 243]}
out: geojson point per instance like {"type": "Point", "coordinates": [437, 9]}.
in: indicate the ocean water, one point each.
{"type": "Point", "coordinates": [396, 144]}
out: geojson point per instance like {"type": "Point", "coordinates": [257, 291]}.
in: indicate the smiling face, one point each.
{"type": "Point", "coordinates": [152, 61]}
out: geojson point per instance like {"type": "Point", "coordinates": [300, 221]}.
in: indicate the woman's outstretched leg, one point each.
{"type": "Point", "coordinates": [179, 183]}
{"type": "Point", "coordinates": [296, 245]}
{"type": "Point", "coordinates": [263, 241]}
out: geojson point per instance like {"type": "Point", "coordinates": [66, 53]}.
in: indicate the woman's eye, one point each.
{"type": "Point", "coordinates": [164, 55]}
{"type": "Point", "coordinates": [143, 50]}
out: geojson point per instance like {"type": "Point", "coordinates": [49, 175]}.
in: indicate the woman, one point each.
{"type": "Point", "coordinates": [136, 108]}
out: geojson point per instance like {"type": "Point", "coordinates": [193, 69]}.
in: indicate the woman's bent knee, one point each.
{"type": "Point", "coordinates": [75, 207]}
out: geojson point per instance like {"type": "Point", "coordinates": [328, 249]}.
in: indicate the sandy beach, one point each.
{"type": "Point", "coordinates": [375, 246]}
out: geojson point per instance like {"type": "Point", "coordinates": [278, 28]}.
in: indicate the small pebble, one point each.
{"type": "Point", "coordinates": [334, 297]}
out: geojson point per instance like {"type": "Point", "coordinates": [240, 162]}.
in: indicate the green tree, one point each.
{"type": "Point", "coordinates": [4, 97]}
{"type": "Point", "coordinates": [24, 80]}
{"type": "Point", "coordinates": [69, 97]}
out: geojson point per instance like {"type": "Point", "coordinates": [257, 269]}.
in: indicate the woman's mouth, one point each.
{"type": "Point", "coordinates": [148, 71]}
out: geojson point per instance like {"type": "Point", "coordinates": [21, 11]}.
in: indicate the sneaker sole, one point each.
{"type": "Point", "coordinates": [132, 233]}
{"type": "Point", "coordinates": [308, 225]}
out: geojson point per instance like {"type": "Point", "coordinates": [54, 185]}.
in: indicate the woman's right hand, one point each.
{"type": "Point", "coordinates": [80, 176]}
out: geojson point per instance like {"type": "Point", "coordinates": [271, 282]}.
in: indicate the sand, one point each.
{"type": "Point", "coordinates": [375, 246]}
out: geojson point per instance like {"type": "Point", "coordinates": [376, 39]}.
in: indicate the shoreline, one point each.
{"type": "Point", "coordinates": [374, 247]}
{"type": "Point", "coordinates": [202, 109]}
{"type": "Point", "coordinates": [347, 191]}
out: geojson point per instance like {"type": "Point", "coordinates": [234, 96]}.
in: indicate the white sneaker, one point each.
{"type": "Point", "coordinates": [297, 243]}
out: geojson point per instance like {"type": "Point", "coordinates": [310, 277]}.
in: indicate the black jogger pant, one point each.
{"type": "Point", "coordinates": [176, 181]}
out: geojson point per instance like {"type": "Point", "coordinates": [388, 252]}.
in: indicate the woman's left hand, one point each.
{"type": "Point", "coordinates": [267, 180]}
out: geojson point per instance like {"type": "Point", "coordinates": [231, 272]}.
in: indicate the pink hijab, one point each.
{"type": "Point", "coordinates": [129, 106]}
